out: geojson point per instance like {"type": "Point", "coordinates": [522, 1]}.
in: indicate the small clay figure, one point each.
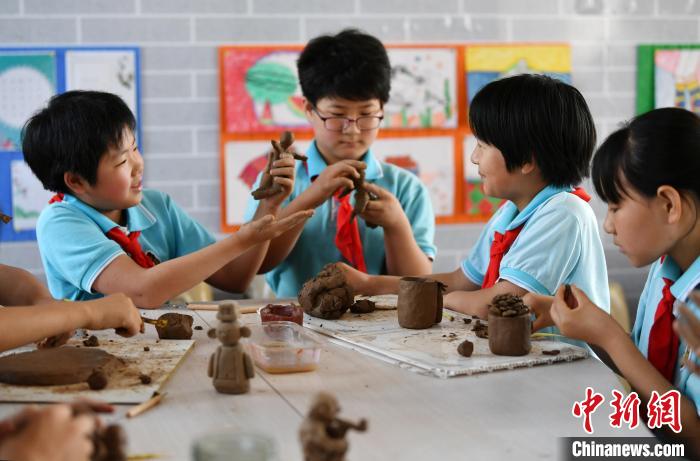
{"type": "Point", "coordinates": [322, 433]}
{"type": "Point", "coordinates": [509, 326]}
{"type": "Point", "coordinates": [327, 295]}
{"type": "Point", "coordinates": [177, 326]}
{"type": "Point", "coordinates": [420, 302]}
{"type": "Point", "coordinates": [569, 297]}
{"type": "Point", "coordinates": [268, 187]}
{"type": "Point", "coordinates": [363, 306]}
{"type": "Point", "coordinates": [362, 197]}
{"type": "Point", "coordinates": [230, 367]}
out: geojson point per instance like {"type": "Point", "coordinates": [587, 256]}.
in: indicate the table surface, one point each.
{"type": "Point", "coordinates": [519, 413]}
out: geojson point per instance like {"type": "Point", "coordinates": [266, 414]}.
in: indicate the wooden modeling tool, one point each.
{"type": "Point", "coordinates": [145, 406]}
{"type": "Point", "coordinates": [162, 323]}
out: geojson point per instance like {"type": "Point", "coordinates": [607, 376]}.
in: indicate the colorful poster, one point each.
{"type": "Point", "coordinates": [429, 158]}
{"type": "Point", "coordinates": [677, 79]}
{"type": "Point", "coordinates": [27, 82]}
{"type": "Point", "coordinates": [485, 63]}
{"type": "Point", "coordinates": [113, 71]}
{"type": "Point", "coordinates": [261, 90]}
{"type": "Point", "coordinates": [476, 203]}
{"type": "Point", "coordinates": [423, 88]}
{"type": "Point", "coordinates": [243, 162]}
{"type": "Point", "coordinates": [28, 197]}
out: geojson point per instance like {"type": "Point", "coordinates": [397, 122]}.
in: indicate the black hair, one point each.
{"type": "Point", "coordinates": [534, 117]}
{"type": "Point", "coordinates": [350, 65]}
{"type": "Point", "coordinates": [660, 147]}
{"type": "Point", "coordinates": [72, 133]}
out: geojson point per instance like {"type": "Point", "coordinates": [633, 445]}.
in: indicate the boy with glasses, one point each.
{"type": "Point", "coordinates": [345, 79]}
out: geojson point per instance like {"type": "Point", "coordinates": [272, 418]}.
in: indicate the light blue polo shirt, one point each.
{"type": "Point", "coordinates": [559, 244]}
{"type": "Point", "coordinates": [75, 250]}
{"type": "Point", "coordinates": [316, 244]}
{"type": "Point", "coordinates": [685, 381]}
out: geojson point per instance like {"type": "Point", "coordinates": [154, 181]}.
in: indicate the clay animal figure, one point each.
{"type": "Point", "coordinates": [268, 187]}
{"type": "Point", "coordinates": [327, 295]}
{"type": "Point", "coordinates": [322, 433]}
{"type": "Point", "coordinates": [362, 197]}
{"type": "Point", "coordinates": [230, 367]}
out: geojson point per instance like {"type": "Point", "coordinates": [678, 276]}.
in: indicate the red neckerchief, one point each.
{"type": "Point", "coordinates": [663, 341]}
{"type": "Point", "coordinates": [347, 234]}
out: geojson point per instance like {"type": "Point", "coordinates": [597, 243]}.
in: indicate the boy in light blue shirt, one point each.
{"type": "Point", "coordinates": [104, 234]}
{"type": "Point", "coordinates": [345, 79]}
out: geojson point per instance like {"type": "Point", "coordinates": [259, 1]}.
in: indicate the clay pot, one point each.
{"type": "Point", "coordinates": [420, 302]}
{"type": "Point", "coordinates": [510, 335]}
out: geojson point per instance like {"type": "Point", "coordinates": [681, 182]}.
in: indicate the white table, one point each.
{"type": "Point", "coordinates": [517, 414]}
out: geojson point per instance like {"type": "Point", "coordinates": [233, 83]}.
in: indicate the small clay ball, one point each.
{"type": "Point", "coordinates": [363, 306]}
{"type": "Point", "coordinates": [146, 348]}
{"type": "Point", "coordinates": [91, 342]}
{"type": "Point", "coordinates": [145, 379]}
{"type": "Point", "coordinates": [97, 380]}
{"type": "Point", "coordinates": [198, 327]}
{"type": "Point", "coordinates": [466, 348]}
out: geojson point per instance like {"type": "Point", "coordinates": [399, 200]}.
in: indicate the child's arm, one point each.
{"type": "Point", "coordinates": [403, 255]}
{"type": "Point", "coordinates": [149, 288]}
{"type": "Point", "coordinates": [476, 301]}
{"type": "Point", "coordinates": [687, 326]}
{"type": "Point", "coordinates": [20, 288]}
{"type": "Point", "coordinates": [589, 323]}
{"type": "Point", "coordinates": [27, 324]}
{"type": "Point", "coordinates": [331, 179]}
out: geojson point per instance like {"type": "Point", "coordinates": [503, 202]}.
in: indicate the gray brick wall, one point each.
{"type": "Point", "coordinates": [179, 68]}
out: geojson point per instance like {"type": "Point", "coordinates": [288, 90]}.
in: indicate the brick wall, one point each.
{"type": "Point", "coordinates": [178, 39]}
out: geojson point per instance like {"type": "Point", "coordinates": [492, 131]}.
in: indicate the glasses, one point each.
{"type": "Point", "coordinates": [364, 123]}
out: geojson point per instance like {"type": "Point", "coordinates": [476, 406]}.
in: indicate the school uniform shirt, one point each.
{"type": "Point", "coordinates": [558, 244]}
{"type": "Point", "coordinates": [75, 249]}
{"type": "Point", "coordinates": [685, 381]}
{"type": "Point", "coordinates": [316, 244]}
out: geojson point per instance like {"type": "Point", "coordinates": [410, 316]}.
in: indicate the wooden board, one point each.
{"type": "Point", "coordinates": [432, 351]}
{"type": "Point", "coordinates": [124, 386]}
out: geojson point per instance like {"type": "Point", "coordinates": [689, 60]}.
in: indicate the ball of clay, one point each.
{"type": "Point", "coordinates": [97, 380]}
{"type": "Point", "coordinates": [363, 306]}
{"type": "Point", "coordinates": [327, 295]}
{"type": "Point", "coordinates": [466, 348]}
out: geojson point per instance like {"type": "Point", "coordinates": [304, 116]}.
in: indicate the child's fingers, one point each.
{"type": "Point", "coordinates": [356, 164]}
{"type": "Point", "coordinates": [379, 191]}
{"type": "Point", "coordinates": [283, 171]}
{"type": "Point", "coordinates": [295, 218]}
{"type": "Point", "coordinates": [284, 182]}
{"type": "Point", "coordinates": [579, 295]}
{"type": "Point", "coordinates": [342, 183]}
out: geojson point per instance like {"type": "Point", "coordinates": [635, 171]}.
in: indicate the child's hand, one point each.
{"type": "Point", "coordinates": [586, 322]}
{"type": "Point", "coordinates": [385, 210]}
{"type": "Point", "coordinates": [540, 306]}
{"type": "Point", "coordinates": [268, 227]}
{"type": "Point", "coordinates": [114, 311]}
{"type": "Point", "coordinates": [283, 172]}
{"type": "Point", "coordinates": [50, 433]}
{"type": "Point", "coordinates": [356, 279]}
{"type": "Point", "coordinates": [687, 325]}
{"type": "Point", "coordinates": [334, 177]}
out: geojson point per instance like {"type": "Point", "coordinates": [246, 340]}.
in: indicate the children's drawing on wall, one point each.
{"type": "Point", "coordinates": [476, 203]}
{"type": "Point", "coordinates": [423, 88]}
{"type": "Point", "coordinates": [243, 162]}
{"type": "Point", "coordinates": [103, 70]}
{"type": "Point", "coordinates": [431, 159]}
{"type": "Point", "coordinates": [27, 82]}
{"type": "Point", "coordinates": [28, 196]}
{"type": "Point", "coordinates": [677, 79]}
{"type": "Point", "coordinates": [485, 63]}
{"type": "Point", "coordinates": [261, 90]}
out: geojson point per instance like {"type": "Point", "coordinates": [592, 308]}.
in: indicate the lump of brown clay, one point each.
{"type": "Point", "coordinates": [363, 306]}
{"type": "Point", "coordinates": [97, 380]}
{"type": "Point", "coordinates": [179, 326]}
{"type": "Point", "coordinates": [420, 302]}
{"type": "Point", "coordinates": [91, 342]}
{"type": "Point", "coordinates": [466, 348]}
{"type": "Point", "coordinates": [509, 326]}
{"type": "Point", "coordinates": [198, 327]}
{"type": "Point", "coordinates": [268, 187]}
{"type": "Point", "coordinates": [59, 366]}
{"type": "Point", "coordinates": [282, 313]}
{"type": "Point", "coordinates": [327, 295]}
{"type": "Point", "coordinates": [551, 352]}
{"type": "Point", "coordinates": [145, 379]}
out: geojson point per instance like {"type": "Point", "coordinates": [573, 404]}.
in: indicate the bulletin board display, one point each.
{"type": "Point", "coordinates": [668, 76]}
{"type": "Point", "coordinates": [425, 128]}
{"type": "Point", "coordinates": [29, 77]}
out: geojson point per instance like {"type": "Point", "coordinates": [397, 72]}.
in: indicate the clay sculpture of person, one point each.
{"type": "Point", "coordinates": [327, 295]}
{"type": "Point", "coordinates": [268, 187]}
{"type": "Point", "coordinates": [322, 433]}
{"type": "Point", "coordinates": [230, 367]}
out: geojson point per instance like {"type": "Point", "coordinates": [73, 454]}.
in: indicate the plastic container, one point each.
{"type": "Point", "coordinates": [282, 313]}
{"type": "Point", "coordinates": [283, 347]}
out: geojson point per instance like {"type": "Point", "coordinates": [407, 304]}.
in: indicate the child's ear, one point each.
{"type": "Point", "coordinates": [672, 203]}
{"type": "Point", "coordinates": [308, 109]}
{"type": "Point", "coordinates": [528, 168]}
{"type": "Point", "coordinates": [74, 182]}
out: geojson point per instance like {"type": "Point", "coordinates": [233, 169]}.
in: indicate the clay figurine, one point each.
{"type": "Point", "coordinates": [327, 295]}
{"type": "Point", "coordinates": [509, 326]}
{"type": "Point", "coordinates": [268, 187]}
{"type": "Point", "coordinates": [420, 302]}
{"type": "Point", "coordinates": [322, 433]}
{"type": "Point", "coordinates": [362, 197]}
{"type": "Point", "coordinates": [230, 367]}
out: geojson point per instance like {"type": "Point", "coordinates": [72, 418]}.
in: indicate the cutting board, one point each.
{"type": "Point", "coordinates": [124, 386]}
{"type": "Point", "coordinates": [432, 351]}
